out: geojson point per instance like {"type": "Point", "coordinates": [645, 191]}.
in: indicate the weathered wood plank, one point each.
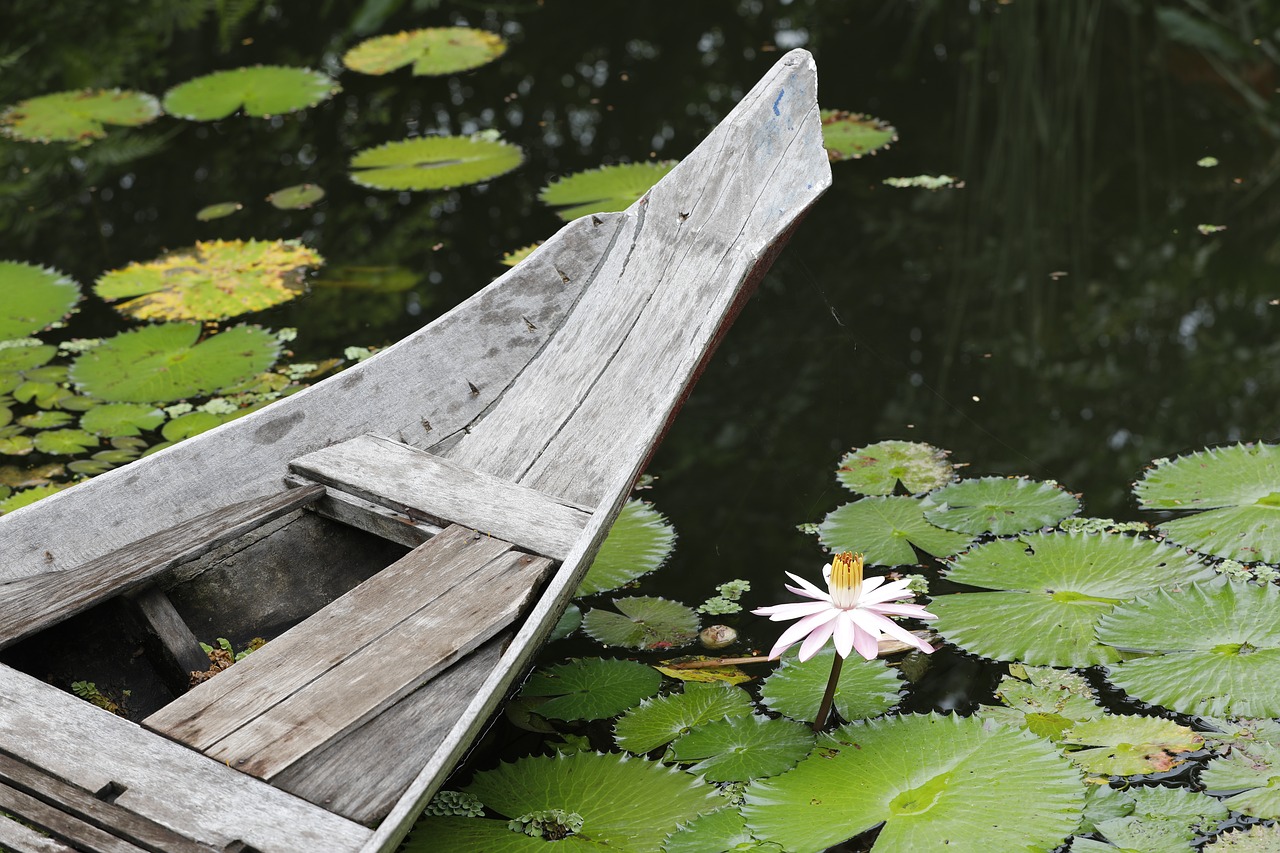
{"type": "Point", "coordinates": [33, 604]}
{"type": "Point", "coordinates": [378, 674]}
{"type": "Point", "coordinates": [163, 781]}
{"type": "Point", "coordinates": [82, 806]}
{"type": "Point", "coordinates": [386, 472]}
{"type": "Point", "coordinates": [220, 706]}
{"type": "Point", "coordinates": [417, 725]}
{"type": "Point", "coordinates": [173, 647]}
{"type": "Point", "coordinates": [367, 516]}
{"type": "Point", "coordinates": [17, 838]}
{"type": "Point", "coordinates": [64, 826]}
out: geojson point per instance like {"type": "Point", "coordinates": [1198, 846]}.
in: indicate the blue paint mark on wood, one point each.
{"type": "Point", "coordinates": [777, 101]}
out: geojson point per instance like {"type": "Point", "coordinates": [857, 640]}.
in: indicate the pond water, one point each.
{"type": "Point", "coordinates": [1062, 315]}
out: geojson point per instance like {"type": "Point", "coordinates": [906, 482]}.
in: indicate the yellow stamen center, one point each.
{"type": "Point", "coordinates": [846, 579]}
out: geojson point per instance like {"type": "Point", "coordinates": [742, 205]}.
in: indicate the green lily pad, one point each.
{"type": "Point", "coordinates": [1254, 839]}
{"type": "Point", "coordinates": [45, 420]}
{"type": "Point", "coordinates": [297, 197]}
{"type": "Point", "coordinates": [885, 529]}
{"type": "Point", "coordinates": [999, 505]}
{"type": "Point", "coordinates": [515, 256]}
{"type": "Point", "coordinates": [741, 748]}
{"type": "Point", "coordinates": [1250, 774]}
{"type": "Point", "coordinates": [17, 362]}
{"type": "Point", "coordinates": [218, 211]}
{"type": "Point", "coordinates": [115, 419]}
{"type": "Point", "coordinates": [658, 721]}
{"type": "Point", "coordinates": [851, 136]}
{"type": "Point", "coordinates": [644, 623]}
{"type": "Point", "coordinates": [639, 542]}
{"type": "Point", "coordinates": [21, 478]}
{"type": "Point", "coordinates": [725, 829]}
{"type": "Point", "coordinates": [64, 442]}
{"type": "Point", "coordinates": [212, 280]}
{"type": "Point", "coordinates": [262, 91]}
{"type": "Point", "coordinates": [1122, 745]}
{"type": "Point", "coordinates": [78, 116]}
{"type": "Point", "coordinates": [866, 688]}
{"type": "Point", "coordinates": [434, 163]}
{"type": "Point", "coordinates": [878, 468]}
{"type": "Point", "coordinates": [1044, 701]}
{"type": "Point", "coordinates": [14, 443]}
{"type": "Point", "coordinates": [569, 622]}
{"type": "Point", "coordinates": [27, 497]}
{"type": "Point", "coordinates": [1223, 659]}
{"type": "Point", "coordinates": [1159, 820]}
{"type": "Point", "coordinates": [481, 835]}
{"type": "Point", "coordinates": [605, 189]}
{"type": "Point", "coordinates": [1059, 585]}
{"type": "Point", "coordinates": [433, 51]}
{"type": "Point", "coordinates": [191, 424]}
{"type": "Point", "coordinates": [34, 298]}
{"type": "Point", "coordinates": [168, 362]}
{"type": "Point", "coordinates": [963, 789]}
{"type": "Point", "coordinates": [591, 688]}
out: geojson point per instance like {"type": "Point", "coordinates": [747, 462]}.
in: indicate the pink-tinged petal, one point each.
{"type": "Point", "coordinates": [844, 635]}
{"type": "Point", "coordinates": [888, 592]}
{"type": "Point", "coordinates": [792, 610]}
{"type": "Point", "coordinates": [873, 621]}
{"type": "Point", "coordinates": [792, 635]}
{"type": "Point", "coordinates": [912, 611]}
{"type": "Point", "coordinates": [867, 644]}
{"type": "Point", "coordinates": [816, 640]}
{"type": "Point", "coordinates": [810, 589]}
{"type": "Point", "coordinates": [871, 583]}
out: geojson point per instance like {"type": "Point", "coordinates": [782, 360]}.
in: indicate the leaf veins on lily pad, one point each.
{"type": "Point", "coordinates": [639, 542]}
{"type": "Point", "coordinates": [1125, 745]}
{"type": "Point", "coordinates": [261, 90]}
{"type": "Point", "coordinates": [1043, 700]}
{"type": "Point", "coordinates": [434, 162]}
{"type": "Point", "coordinates": [1250, 773]}
{"type": "Point", "coordinates": [878, 468]}
{"type": "Point", "coordinates": [963, 790]}
{"type": "Point", "coordinates": [605, 189]}
{"type": "Point", "coordinates": [116, 419]}
{"type": "Point", "coordinates": [865, 688]}
{"type": "Point", "coordinates": [885, 531]}
{"type": "Point", "coordinates": [166, 362]}
{"type": "Point", "coordinates": [210, 281]}
{"type": "Point", "coordinates": [1254, 839]}
{"type": "Point", "coordinates": [591, 688]}
{"type": "Point", "coordinates": [999, 505]}
{"type": "Point", "coordinates": [741, 748]}
{"type": "Point", "coordinates": [1055, 587]}
{"type": "Point", "coordinates": [34, 298]}
{"type": "Point", "coordinates": [658, 721]}
{"type": "Point", "coordinates": [645, 622]}
{"type": "Point", "coordinates": [78, 116]}
{"type": "Point", "coordinates": [432, 51]}
{"type": "Point", "coordinates": [850, 136]}
{"type": "Point", "coordinates": [1156, 820]}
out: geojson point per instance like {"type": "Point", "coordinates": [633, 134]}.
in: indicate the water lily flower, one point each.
{"type": "Point", "coordinates": [852, 611]}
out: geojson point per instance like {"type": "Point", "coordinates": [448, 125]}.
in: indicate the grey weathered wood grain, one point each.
{"type": "Point", "coordinates": [171, 640]}
{"type": "Point", "coordinates": [386, 472]}
{"type": "Point", "coordinates": [32, 604]}
{"type": "Point", "coordinates": [163, 781]}
{"type": "Point", "coordinates": [16, 838]}
{"type": "Point", "coordinates": [64, 826]}
{"type": "Point", "coordinates": [369, 517]}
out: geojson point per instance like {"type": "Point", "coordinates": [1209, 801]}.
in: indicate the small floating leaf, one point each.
{"type": "Point", "coordinates": [850, 136]}
{"type": "Point", "coordinates": [605, 189]}
{"type": "Point", "coordinates": [569, 622]}
{"type": "Point", "coordinates": [297, 197]}
{"type": "Point", "coordinates": [1158, 820]}
{"type": "Point", "coordinates": [878, 468]}
{"type": "Point", "coordinates": [434, 163]}
{"type": "Point", "coordinates": [999, 505]}
{"type": "Point", "coordinates": [18, 362]}
{"type": "Point", "coordinates": [591, 688]}
{"type": "Point", "coordinates": [865, 689]}
{"type": "Point", "coordinates": [645, 622]}
{"type": "Point", "coordinates": [885, 529]}
{"type": "Point", "coordinates": [45, 420]}
{"type": "Point", "coordinates": [115, 419]}
{"type": "Point", "coordinates": [192, 424]}
{"type": "Point", "coordinates": [65, 442]}
{"type": "Point", "coordinates": [1255, 839]}
{"type": "Point", "coordinates": [77, 116]}
{"type": "Point", "coordinates": [34, 298]}
{"type": "Point", "coordinates": [1044, 701]}
{"type": "Point", "coordinates": [658, 721]}
{"type": "Point", "coordinates": [168, 362]}
{"type": "Point", "coordinates": [639, 542]}
{"type": "Point", "coordinates": [29, 496]}
{"type": "Point", "coordinates": [741, 748]}
{"type": "Point", "coordinates": [262, 91]}
{"type": "Point", "coordinates": [218, 211]}
{"type": "Point", "coordinates": [433, 51]}
{"type": "Point", "coordinates": [1123, 745]}
{"type": "Point", "coordinates": [210, 281]}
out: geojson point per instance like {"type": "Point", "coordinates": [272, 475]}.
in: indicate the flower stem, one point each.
{"type": "Point", "coordinates": [820, 722]}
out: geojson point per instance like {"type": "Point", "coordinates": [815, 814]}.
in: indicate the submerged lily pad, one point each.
{"type": "Point", "coordinates": [1042, 700]}
{"type": "Point", "coordinates": [591, 688]}
{"type": "Point", "coordinates": [78, 116]}
{"type": "Point", "coordinates": [372, 279]}
{"type": "Point", "coordinates": [1250, 773]}
{"type": "Point", "coordinates": [262, 91]}
{"type": "Point", "coordinates": [1222, 661]}
{"type": "Point", "coordinates": [168, 362]}
{"type": "Point", "coordinates": [866, 688]}
{"type": "Point", "coordinates": [115, 419]}
{"type": "Point", "coordinates": [658, 721]}
{"type": "Point", "coordinates": [433, 51]}
{"type": "Point", "coordinates": [1057, 588]}
{"type": "Point", "coordinates": [885, 529]}
{"type": "Point", "coordinates": [213, 280]}
{"type": "Point", "coordinates": [639, 542]}
{"type": "Point", "coordinates": [741, 748]}
{"type": "Point", "coordinates": [1124, 745]}
{"type": "Point", "coordinates": [999, 505]}
{"type": "Point", "coordinates": [218, 211]}
{"type": "Point", "coordinates": [605, 189]}
{"type": "Point", "coordinates": [851, 136]}
{"type": "Point", "coordinates": [878, 468]}
{"type": "Point", "coordinates": [1254, 839]}
{"type": "Point", "coordinates": [964, 789]}
{"type": "Point", "coordinates": [297, 197]}
{"type": "Point", "coordinates": [645, 622]}
{"type": "Point", "coordinates": [434, 163]}
{"type": "Point", "coordinates": [34, 298]}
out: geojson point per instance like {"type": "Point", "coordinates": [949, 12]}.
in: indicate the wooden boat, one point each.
{"type": "Point", "coordinates": [406, 534]}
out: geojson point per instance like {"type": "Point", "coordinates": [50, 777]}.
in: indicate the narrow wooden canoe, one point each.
{"type": "Point", "coordinates": [406, 534]}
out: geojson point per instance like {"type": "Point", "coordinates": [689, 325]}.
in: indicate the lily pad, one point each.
{"type": "Point", "coordinates": [639, 542]}
{"type": "Point", "coordinates": [851, 136]}
{"type": "Point", "coordinates": [45, 420]}
{"type": "Point", "coordinates": [645, 623]}
{"type": "Point", "coordinates": [964, 789]}
{"type": "Point", "coordinates": [885, 529]}
{"type": "Point", "coordinates": [741, 748]}
{"type": "Point", "coordinates": [1223, 659]}
{"type": "Point", "coordinates": [432, 51]}
{"type": "Point", "coordinates": [17, 363]}
{"type": "Point", "coordinates": [1045, 701]}
{"type": "Point", "coordinates": [1158, 820]}
{"type": "Point", "coordinates": [27, 497]}
{"type": "Point", "coordinates": [999, 505]}
{"type": "Point", "coordinates": [569, 622]}
{"type": "Point", "coordinates": [658, 721]}
{"type": "Point", "coordinates": [212, 280]}
{"type": "Point", "coordinates": [866, 688]}
{"type": "Point", "coordinates": [591, 688]}
{"type": "Point", "coordinates": [168, 362]}
{"type": "Point", "coordinates": [725, 829]}
{"type": "Point", "coordinates": [218, 211]}
{"type": "Point", "coordinates": [1250, 774]}
{"type": "Point", "coordinates": [114, 419]}
{"type": "Point", "coordinates": [34, 298]}
{"type": "Point", "coordinates": [1058, 586]}
{"type": "Point", "coordinates": [704, 675]}
{"type": "Point", "coordinates": [1123, 745]}
{"type": "Point", "coordinates": [878, 468]}
{"type": "Point", "coordinates": [434, 163]}
{"type": "Point", "coordinates": [191, 424]}
{"type": "Point", "coordinates": [64, 442]}
{"type": "Point", "coordinates": [1254, 839]}
{"type": "Point", "coordinates": [297, 197]}
{"type": "Point", "coordinates": [262, 91]}
{"type": "Point", "coordinates": [78, 116]}
{"type": "Point", "coordinates": [605, 189]}
{"type": "Point", "coordinates": [14, 443]}
{"type": "Point", "coordinates": [515, 256]}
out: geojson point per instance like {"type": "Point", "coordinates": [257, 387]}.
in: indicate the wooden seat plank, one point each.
{"type": "Point", "coordinates": [31, 604]}
{"type": "Point", "coordinates": [392, 474]}
{"type": "Point", "coordinates": [62, 825]}
{"type": "Point", "coordinates": [19, 838]}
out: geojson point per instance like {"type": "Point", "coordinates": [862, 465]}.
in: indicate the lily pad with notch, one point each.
{"type": "Point", "coordinates": [879, 468]}
{"type": "Point", "coordinates": [605, 189]}
{"type": "Point", "coordinates": [865, 688]}
{"type": "Point", "coordinates": [591, 688]}
{"type": "Point", "coordinates": [77, 116]}
{"type": "Point", "coordinates": [18, 363]}
{"type": "Point", "coordinates": [1126, 745]}
{"type": "Point", "coordinates": [1043, 700]}
{"type": "Point", "coordinates": [434, 162]}
{"type": "Point", "coordinates": [742, 748]}
{"type": "Point", "coordinates": [885, 529]}
{"type": "Point", "coordinates": [34, 298]}
{"type": "Point", "coordinates": [639, 542]}
{"type": "Point", "coordinates": [45, 420]}
{"type": "Point", "coordinates": [261, 91]}
{"type": "Point", "coordinates": [645, 622]}
{"type": "Point", "coordinates": [1250, 775]}
{"type": "Point", "coordinates": [432, 51]}
{"type": "Point", "coordinates": [725, 829]}
{"type": "Point", "coordinates": [64, 442]}
{"type": "Point", "coordinates": [1156, 820]}
{"type": "Point", "coordinates": [115, 419]}
{"type": "Point", "coordinates": [999, 505]}
{"type": "Point", "coordinates": [658, 721]}
{"type": "Point", "coordinates": [851, 136]}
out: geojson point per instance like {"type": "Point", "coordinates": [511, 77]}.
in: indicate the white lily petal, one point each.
{"type": "Point", "coordinates": [811, 590]}
{"type": "Point", "coordinates": [867, 644]}
{"type": "Point", "coordinates": [800, 629]}
{"type": "Point", "coordinates": [793, 610]}
{"type": "Point", "coordinates": [869, 620]}
{"type": "Point", "coordinates": [912, 611]}
{"type": "Point", "coordinates": [817, 639]}
{"type": "Point", "coordinates": [845, 633]}
{"type": "Point", "coordinates": [888, 592]}
{"type": "Point", "coordinates": [871, 583]}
